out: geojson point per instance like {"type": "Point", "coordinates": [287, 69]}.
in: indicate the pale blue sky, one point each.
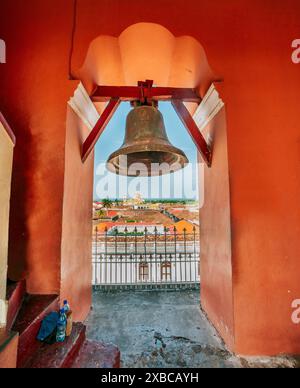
{"type": "Point", "coordinates": [186, 181]}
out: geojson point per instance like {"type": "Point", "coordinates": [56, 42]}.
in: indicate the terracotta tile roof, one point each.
{"type": "Point", "coordinates": [111, 213]}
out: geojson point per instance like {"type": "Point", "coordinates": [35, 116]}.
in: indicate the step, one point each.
{"type": "Point", "coordinates": [95, 355]}
{"type": "Point", "coordinates": [8, 349]}
{"type": "Point", "coordinates": [59, 355]}
{"type": "Point", "coordinates": [28, 323]}
{"type": "Point", "coordinates": [15, 293]}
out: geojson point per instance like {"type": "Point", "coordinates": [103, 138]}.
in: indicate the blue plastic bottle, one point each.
{"type": "Point", "coordinates": [66, 307]}
{"type": "Point", "coordinates": [61, 326]}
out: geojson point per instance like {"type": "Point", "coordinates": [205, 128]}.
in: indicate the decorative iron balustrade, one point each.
{"type": "Point", "coordinates": [135, 258]}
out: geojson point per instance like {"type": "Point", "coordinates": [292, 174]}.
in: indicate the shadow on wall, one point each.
{"type": "Point", "coordinates": [24, 156]}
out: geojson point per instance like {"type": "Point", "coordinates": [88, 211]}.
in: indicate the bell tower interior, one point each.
{"type": "Point", "coordinates": [60, 87]}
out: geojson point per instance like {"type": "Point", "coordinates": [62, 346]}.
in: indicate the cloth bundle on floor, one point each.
{"type": "Point", "coordinates": [48, 328]}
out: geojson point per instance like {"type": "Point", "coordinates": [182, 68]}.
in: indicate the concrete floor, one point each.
{"type": "Point", "coordinates": [160, 329]}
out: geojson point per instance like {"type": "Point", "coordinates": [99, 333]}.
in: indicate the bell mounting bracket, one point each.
{"type": "Point", "coordinates": [146, 94]}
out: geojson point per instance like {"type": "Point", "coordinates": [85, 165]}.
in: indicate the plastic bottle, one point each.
{"type": "Point", "coordinates": [61, 326]}
{"type": "Point", "coordinates": [66, 307]}
{"type": "Point", "coordinates": [69, 323]}
{"type": "Point", "coordinates": [69, 315]}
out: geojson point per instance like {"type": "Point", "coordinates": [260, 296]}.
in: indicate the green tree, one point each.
{"type": "Point", "coordinates": [107, 203]}
{"type": "Point", "coordinates": [100, 213]}
{"type": "Point", "coordinates": [117, 202]}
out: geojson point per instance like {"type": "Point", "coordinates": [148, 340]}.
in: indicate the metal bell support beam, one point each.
{"type": "Point", "coordinates": [193, 130]}
{"type": "Point", "coordinates": [146, 93]}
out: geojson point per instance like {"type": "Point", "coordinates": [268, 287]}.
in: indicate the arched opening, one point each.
{"type": "Point", "coordinates": [150, 220]}
{"type": "Point", "coordinates": [79, 175]}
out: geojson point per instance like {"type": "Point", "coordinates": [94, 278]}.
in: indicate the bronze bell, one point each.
{"type": "Point", "coordinates": [146, 142]}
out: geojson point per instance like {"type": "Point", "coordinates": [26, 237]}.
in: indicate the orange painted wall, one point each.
{"type": "Point", "coordinates": [262, 94]}
{"type": "Point", "coordinates": [33, 95]}
{"type": "Point", "coordinates": [215, 236]}
{"type": "Point", "coordinates": [76, 263]}
{"type": "Point", "coordinates": [249, 42]}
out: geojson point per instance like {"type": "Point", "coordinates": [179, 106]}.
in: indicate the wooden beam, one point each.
{"type": "Point", "coordinates": [130, 93]}
{"type": "Point", "coordinates": [101, 124]}
{"type": "Point", "coordinates": [193, 130]}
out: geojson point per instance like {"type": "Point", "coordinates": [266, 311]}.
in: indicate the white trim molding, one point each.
{"type": "Point", "coordinates": [210, 106]}
{"type": "Point", "coordinates": [3, 313]}
{"type": "Point", "coordinates": [83, 106]}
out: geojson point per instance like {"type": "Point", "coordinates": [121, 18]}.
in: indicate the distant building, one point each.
{"type": "Point", "coordinates": [101, 227]}
{"type": "Point", "coordinates": [112, 215]}
{"type": "Point", "coordinates": [97, 206]}
{"type": "Point", "coordinates": [136, 203]}
{"type": "Point", "coordinates": [185, 225]}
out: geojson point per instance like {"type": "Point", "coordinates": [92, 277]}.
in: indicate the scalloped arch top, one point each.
{"type": "Point", "coordinates": [146, 51]}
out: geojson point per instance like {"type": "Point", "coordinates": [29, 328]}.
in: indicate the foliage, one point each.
{"type": "Point", "coordinates": [107, 203]}
{"type": "Point", "coordinates": [100, 213]}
